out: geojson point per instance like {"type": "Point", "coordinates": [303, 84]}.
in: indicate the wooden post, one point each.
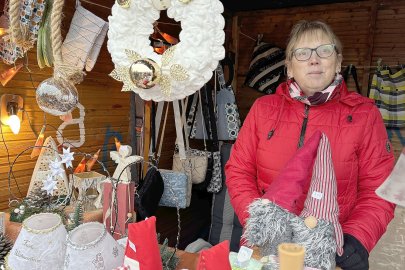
{"type": "Point", "coordinates": [369, 58]}
{"type": "Point", "coordinates": [147, 134]}
{"type": "Point", "coordinates": [235, 49]}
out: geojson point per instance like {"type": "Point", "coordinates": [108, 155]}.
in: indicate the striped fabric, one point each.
{"type": "Point", "coordinates": [388, 91]}
{"type": "Point", "coordinates": [321, 200]}
{"type": "Point", "coordinates": [266, 68]}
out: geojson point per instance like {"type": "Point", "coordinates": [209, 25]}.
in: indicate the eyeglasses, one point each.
{"type": "Point", "coordinates": [323, 51]}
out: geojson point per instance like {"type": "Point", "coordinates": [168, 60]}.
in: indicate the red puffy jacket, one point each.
{"type": "Point", "coordinates": [361, 152]}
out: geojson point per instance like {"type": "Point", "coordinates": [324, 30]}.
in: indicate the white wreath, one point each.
{"type": "Point", "coordinates": [197, 54]}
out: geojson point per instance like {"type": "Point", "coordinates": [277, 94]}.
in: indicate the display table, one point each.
{"type": "Point", "coordinates": [189, 260]}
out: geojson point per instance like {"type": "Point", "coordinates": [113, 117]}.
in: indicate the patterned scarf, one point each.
{"type": "Point", "coordinates": [319, 97]}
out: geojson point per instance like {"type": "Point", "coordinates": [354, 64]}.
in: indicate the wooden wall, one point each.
{"type": "Point", "coordinates": [106, 109]}
{"type": "Point", "coordinates": [369, 30]}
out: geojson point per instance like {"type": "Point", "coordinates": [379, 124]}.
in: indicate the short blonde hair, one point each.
{"type": "Point", "coordinates": [305, 27]}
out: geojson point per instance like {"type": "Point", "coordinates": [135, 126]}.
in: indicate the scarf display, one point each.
{"type": "Point", "coordinates": [319, 97]}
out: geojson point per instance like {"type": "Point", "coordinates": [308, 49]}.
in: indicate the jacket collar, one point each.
{"type": "Point", "coordinates": [345, 96]}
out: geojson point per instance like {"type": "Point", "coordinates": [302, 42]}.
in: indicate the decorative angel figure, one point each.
{"type": "Point", "coordinates": [123, 158]}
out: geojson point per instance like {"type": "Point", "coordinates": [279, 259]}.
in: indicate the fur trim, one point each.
{"type": "Point", "coordinates": [267, 226]}
{"type": "Point", "coordinates": [319, 243]}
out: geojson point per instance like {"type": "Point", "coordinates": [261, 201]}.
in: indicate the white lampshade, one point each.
{"type": "Point", "coordinates": [40, 244]}
{"type": "Point", "coordinates": [90, 247]}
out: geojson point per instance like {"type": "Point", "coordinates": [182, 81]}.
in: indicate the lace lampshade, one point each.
{"type": "Point", "coordinates": [90, 247]}
{"type": "Point", "coordinates": [40, 244]}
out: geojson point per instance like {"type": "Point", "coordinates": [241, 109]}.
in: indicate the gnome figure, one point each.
{"type": "Point", "coordinates": [268, 224]}
{"type": "Point", "coordinates": [317, 228]}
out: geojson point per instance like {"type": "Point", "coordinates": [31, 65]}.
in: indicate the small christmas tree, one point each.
{"type": "Point", "coordinates": [169, 260]}
{"type": "Point", "coordinates": [77, 216]}
{"type": "Point", "coordinates": [5, 247]}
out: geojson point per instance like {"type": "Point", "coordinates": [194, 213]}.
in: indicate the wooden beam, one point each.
{"type": "Point", "coordinates": [235, 50]}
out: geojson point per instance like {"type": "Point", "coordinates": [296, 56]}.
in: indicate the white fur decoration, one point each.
{"type": "Point", "coordinates": [199, 50]}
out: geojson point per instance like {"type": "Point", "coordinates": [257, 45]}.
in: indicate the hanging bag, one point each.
{"type": "Point", "coordinates": [266, 68]}
{"type": "Point", "coordinates": [228, 123]}
{"type": "Point", "coordinates": [192, 162]}
{"type": "Point", "coordinates": [388, 91]}
{"type": "Point", "coordinates": [150, 190]}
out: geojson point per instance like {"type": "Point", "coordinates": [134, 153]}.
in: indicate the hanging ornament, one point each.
{"type": "Point", "coordinates": [57, 96]}
{"type": "Point", "coordinates": [144, 73]}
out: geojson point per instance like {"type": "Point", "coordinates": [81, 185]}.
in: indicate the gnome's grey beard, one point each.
{"type": "Point", "coordinates": [268, 226]}
{"type": "Point", "coordinates": [319, 243]}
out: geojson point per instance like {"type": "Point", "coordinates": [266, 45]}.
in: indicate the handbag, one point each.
{"type": "Point", "coordinates": [228, 123]}
{"type": "Point", "coordinates": [177, 185]}
{"type": "Point", "coordinates": [177, 189]}
{"type": "Point", "coordinates": [266, 67]}
{"type": "Point", "coordinates": [388, 91]}
{"type": "Point", "coordinates": [192, 162]}
{"type": "Point", "coordinates": [149, 193]}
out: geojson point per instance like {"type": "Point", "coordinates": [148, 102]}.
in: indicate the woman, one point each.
{"type": "Point", "coordinates": [316, 98]}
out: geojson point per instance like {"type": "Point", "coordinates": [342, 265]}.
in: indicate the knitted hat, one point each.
{"type": "Point", "coordinates": [289, 186]}
{"type": "Point", "coordinates": [321, 201]}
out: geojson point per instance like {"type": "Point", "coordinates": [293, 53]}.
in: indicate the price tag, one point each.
{"type": "Point", "coordinates": [317, 195]}
{"type": "Point", "coordinates": [244, 254]}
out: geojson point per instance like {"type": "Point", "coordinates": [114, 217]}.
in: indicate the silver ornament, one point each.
{"type": "Point", "coordinates": [145, 73]}
{"type": "Point", "coordinates": [57, 96]}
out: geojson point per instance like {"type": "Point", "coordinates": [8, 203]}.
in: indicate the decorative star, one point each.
{"type": "Point", "coordinates": [67, 157]}
{"type": "Point", "coordinates": [49, 185]}
{"type": "Point", "coordinates": [169, 71]}
{"type": "Point", "coordinates": [56, 168]}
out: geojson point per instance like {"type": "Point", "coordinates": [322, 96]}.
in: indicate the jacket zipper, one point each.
{"type": "Point", "coordinates": [304, 127]}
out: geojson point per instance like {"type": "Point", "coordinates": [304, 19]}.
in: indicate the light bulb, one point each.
{"type": "Point", "coordinates": [14, 123]}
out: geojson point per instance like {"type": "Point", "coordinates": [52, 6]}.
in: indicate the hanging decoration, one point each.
{"type": "Point", "coordinates": [83, 42]}
{"type": "Point", "coordinates": [58, 95]}
{"type": "Point", "coordinates": [180, 71]}
{"type": "Point", "coordinates": [82, 131]}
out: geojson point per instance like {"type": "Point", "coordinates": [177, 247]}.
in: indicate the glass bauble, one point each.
{"type": "Point", "coordinates": [57, 96]}
{"type": "Point", "coordinates": [145, 73]}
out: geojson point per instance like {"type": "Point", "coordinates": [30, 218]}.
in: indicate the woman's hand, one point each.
{"type": "Point", "coordinates": [355, 255]}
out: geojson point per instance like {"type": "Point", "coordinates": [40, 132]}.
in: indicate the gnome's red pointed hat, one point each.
{"type": "Point", "coordinates": [142, 251]}
{"type": "Point", "coordinates": [289, 186]}
{"type": "Point", "coordinates": [321, 201]}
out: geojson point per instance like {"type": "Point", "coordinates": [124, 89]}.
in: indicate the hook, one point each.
{"type": "Point", "coordinates": [259, 38]}
{"type": "Point", "coordinates": [379, 64]}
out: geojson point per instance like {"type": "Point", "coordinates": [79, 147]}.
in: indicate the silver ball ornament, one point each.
{"type": "Point", "coordinates": [57, 96]}
{"type": "Point", "coordinates": [145, 73]}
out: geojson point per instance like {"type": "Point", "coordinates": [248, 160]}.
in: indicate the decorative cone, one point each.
{"type": "Point", "coordinates": [393, 188]}
{"type": "Point", "coordinates": [5, 246]}
{"type": "Point", "coordinates": [47, 155]}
